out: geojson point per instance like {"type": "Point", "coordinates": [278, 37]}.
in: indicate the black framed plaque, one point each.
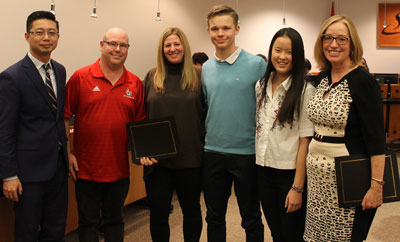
{"type": "Point", "coordinates": [353, 174]}
{"type": "Point", "coordinates": [155, 138]}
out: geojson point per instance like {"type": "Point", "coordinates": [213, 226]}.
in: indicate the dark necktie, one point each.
{"type": "Point", "coordinates": [50, 89]}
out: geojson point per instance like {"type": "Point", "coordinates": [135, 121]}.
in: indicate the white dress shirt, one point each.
{"type": "Point", "coordinates": [232, 58]}
{"type": "Point", "coordinates": [277, 145]}
{"type": "Point", "coordinates": [42, 71]}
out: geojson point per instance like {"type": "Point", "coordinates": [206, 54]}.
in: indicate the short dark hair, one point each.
{"type": "Point", "coordinates": [40, 15]}
{"type": "Point", "coordinates": [199, 58]}
{"type": "Point", "coordinates": [308, 64]}
{"type": "Point", "coordinates": [263, 56]}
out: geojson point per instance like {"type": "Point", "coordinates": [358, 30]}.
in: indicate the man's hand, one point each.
{"type": "Point", "coordinates": [73, 166]}
{"type": "Point", "coordinates": [12, 189]}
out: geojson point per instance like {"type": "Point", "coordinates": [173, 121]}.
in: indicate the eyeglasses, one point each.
{"type": "Point", "coordinates": [114, 45]}
{"type": "Point", "coordinates": [341, 40]}
{"type": "Point", "coordinates": [41, 33]}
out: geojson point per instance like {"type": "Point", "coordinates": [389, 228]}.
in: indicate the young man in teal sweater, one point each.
{"type": "Point", "coordinates": [228, 84]}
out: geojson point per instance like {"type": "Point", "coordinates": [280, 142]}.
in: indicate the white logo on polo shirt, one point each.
{"type": "Point", "coordinates": [129, 94]}
{"type": "Point", "coordinates": [96, 89]}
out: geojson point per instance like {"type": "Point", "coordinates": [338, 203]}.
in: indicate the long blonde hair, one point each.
{"type": "Point", "coordinates": [190, 79]}
{"type": "Point", "coordinates": [356, 49]}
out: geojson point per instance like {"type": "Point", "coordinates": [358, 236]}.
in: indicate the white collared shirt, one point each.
{"type": "Point", "coordinates": [277, 145]}
{"type": "Point", "coordinates": [232, 58]}
{"type": "Point", "coordinates": [42, 71]}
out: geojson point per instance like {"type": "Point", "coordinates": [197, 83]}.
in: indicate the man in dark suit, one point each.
{"type": "Point", "coordinates": [33, 160]}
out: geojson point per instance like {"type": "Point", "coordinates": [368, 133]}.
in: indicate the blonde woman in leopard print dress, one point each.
{"type": "Point", "coordinates": [347, 113]}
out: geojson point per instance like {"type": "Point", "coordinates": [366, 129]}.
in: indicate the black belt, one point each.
{"type": "Point", "coordinates": [328, 139]}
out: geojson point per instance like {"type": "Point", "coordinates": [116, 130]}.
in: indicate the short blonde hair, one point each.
{"type": "Point", "coordinates": [356, 49]}
{"type": "Point", "coordinates": [190, 79]}
{"type": "Point", "coordinates": [219, 10]}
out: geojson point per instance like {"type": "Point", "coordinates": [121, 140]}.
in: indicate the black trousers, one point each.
{"type": "Point", "coordinates": [362, 224]}
{"type": "Point", "coordinates": [219, 171]}
{"type": "Point", "coordinates": [274, 185]}
{"type": "Point", "coordinates": [160, 185]}
{"type": "Point", "coordinates": [43, 204]}
{"type": "Point", "coordinates": [107, 197]}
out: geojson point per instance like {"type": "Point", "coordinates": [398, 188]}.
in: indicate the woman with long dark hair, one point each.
{"type": "Point", "coordinates": [282, 136]}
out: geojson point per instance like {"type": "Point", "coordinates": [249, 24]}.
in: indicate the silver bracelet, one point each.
{"type": "Point", "coordinates": [297, 189]}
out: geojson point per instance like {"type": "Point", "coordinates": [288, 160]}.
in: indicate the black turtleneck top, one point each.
{"type": "Point", "coordinates": [187, 108]}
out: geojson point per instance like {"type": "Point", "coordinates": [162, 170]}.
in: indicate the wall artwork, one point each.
{"type": "Point", "coordinates": [389, 24]}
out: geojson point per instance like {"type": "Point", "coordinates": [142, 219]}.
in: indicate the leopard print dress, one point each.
{"type": "Point", "coordinates": [329, 116]}
{"type": "Point", "coordinates": [352, 109]}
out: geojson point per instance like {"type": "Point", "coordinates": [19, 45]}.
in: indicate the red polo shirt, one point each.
{"type": "Point", "coordinates": [101, 112]}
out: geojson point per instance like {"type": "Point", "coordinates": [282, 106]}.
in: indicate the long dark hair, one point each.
{"type": "Point", "coordinates": [291, 102]}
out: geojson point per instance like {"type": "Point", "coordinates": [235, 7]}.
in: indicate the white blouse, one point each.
{"type": "Point", "coordinates": [277, 145]}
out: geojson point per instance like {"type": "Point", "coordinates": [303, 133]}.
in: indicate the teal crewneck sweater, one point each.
{"type": "Point", "coordinates": [230, 98]}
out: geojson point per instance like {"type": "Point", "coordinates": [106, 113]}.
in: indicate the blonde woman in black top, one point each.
{"type": "Point", "coordinates": [173, 88]}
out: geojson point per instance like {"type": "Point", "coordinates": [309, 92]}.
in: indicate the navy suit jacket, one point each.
{"type": "Point", "coordinates": [29, 129]}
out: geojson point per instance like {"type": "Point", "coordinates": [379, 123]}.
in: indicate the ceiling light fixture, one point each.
{"type": "Point", "coordinates": [237, 9]}
{"type": "Point", "coordinates": [94, 11]}
{"type": "Point", "coordinates": [158, 16]}
{"type": "Point", "coordinates": [384, 17]}
{"type": "Point", "coordinates": [53, 7]}
{"type": "Point", "coordinates": [284, 12]}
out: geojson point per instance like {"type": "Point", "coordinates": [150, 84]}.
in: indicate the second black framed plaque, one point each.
{"type": "Point", "coordinates": [155, 138]}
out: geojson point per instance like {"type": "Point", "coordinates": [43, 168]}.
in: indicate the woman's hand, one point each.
{"type": "Point", "coordinates": [146, 161]}
{"type": "Point", "coordinates": [373, 197]}
{"type": "Point", "coordinates": [293, 201]}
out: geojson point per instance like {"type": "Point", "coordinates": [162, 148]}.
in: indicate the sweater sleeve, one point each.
{"type": "Point", "coordinates": [369, 109]}
{"type": "Point", "coordinates": [262, 68]}
{"type": "Point", "coordinates": [140, 108]}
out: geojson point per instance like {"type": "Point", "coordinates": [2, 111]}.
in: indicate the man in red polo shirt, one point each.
{"type": "Point", "coordinates": [103, 97]}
